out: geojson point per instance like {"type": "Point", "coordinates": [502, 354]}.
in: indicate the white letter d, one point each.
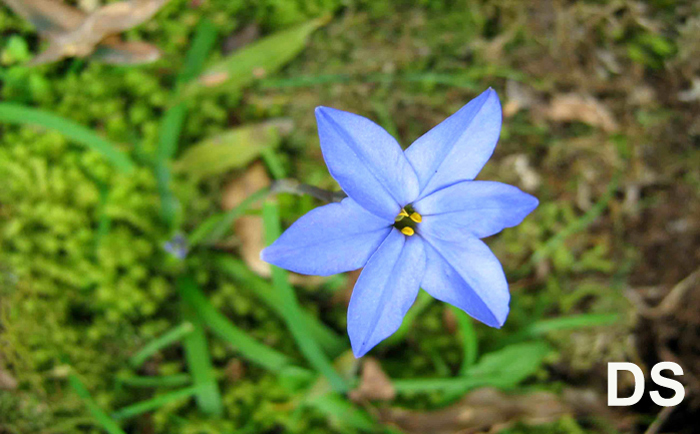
{"type": "Point", "coordinates": [613, 369]}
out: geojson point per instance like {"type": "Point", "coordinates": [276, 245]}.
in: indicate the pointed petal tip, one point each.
{"type": "Point", "coordinates": [321, 112]}
{"type": "Point", "coordinates": [492, 94]}
{"type": "Point", "coordinates": [531, 203]}
{"type": "Point", "coordinates": [359, 352]}
{"type": "Point", "coordinates": [330, 114]}
{"type": "Point", "coordinates": [360, 349]}
{"type": "Point", "coordinates": [501, 318]}
{"type": "Point", "coordinates": [324, 111]}
{"type": "Point", "coordinates": [268, 255]}
{"type": "Point", "coordinates": [497, 320]}
{"type": "Point", "coordinates": [493, 319]}
{"type": "Point", "coordinates": [271, 255]}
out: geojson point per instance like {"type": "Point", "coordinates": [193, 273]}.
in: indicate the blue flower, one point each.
{"type": "Point", "coordinates": [412, 219]}
{"type": "Point", "coordinates": [177, 246]}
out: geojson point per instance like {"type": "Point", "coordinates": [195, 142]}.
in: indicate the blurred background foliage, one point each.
{"type": "Point", "coordinates": [127, 289]}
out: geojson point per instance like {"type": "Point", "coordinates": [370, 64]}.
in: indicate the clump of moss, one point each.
{"type": "Point", "coordinates": [86, 281]}
{"type": "Point", "coordinates": [84, 278]}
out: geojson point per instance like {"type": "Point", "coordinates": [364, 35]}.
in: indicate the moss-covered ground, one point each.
{"type": "Point", "coordinates": [602, 124]}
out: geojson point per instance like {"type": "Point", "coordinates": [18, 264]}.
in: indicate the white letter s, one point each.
{"type": "Point", "coordinates": [668, 383]}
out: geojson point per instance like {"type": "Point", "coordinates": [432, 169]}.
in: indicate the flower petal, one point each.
{"type": "Point", "coordinates": [328, 240]}
{"type": "Point", "coordinates": [385, 290]}
{"type": "Point", "coordinates": [457, 148]}
{"type": "Point", "coordinates": [482, 208]}
{"type": "Point", "coordinates": [466, 274]}
{"type": "Point", "coordinates": [367, 162]}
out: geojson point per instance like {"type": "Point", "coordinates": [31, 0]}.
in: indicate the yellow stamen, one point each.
{"type": "Point", "coordinates": [416, 217]}
{"type": "Point", "coordinates": [401, 215]}
{"type": "Point", "coordinates": [408, 231]}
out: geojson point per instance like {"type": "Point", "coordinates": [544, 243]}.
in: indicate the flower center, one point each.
{"type": "Point", "coordinates": [407, 220]}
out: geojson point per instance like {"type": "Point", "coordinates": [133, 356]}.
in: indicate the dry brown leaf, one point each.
{"type": "Point", "coordinates": [118, 17]}
{"type": "Point", "coordinates": [72, 32]}
{"type": "Point", "coordinates": [88, 6]}
{"type": "Point", "coordinates": [241, 38]}
{"type": "Point", "coordinates": [692, 94]}
{"type": "Point", "coordinates": [50, 17]}
{"type": "Point", "coordinates": [7, 381]}
{"type": "Point", "coordinates": [114, 51]}
{"type": "Point", "coordinates": [670, 328]}
{"type": "Point", "coordinates": [518, 167]}
{"type": "Point", "coordinates": [486, 409]}
{"type": "Point", "coordinates": [518, 97]}
{"type": "Point", "coordinates": [374, 383]}
{"type": "Point", "coordinates": [235, 370]}
{"type": "Point", "coordinates": [248, 228]}
{"type": "Point", "coordinates": [215, 79]}
{"type": "Point", "coordinates": [583, 108]}
{"type": "Point", "coordinates": [449, 321]}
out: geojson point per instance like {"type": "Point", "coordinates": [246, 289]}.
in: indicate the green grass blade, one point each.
{"type": "Point", "coordinates": [202, 44]}
{"type": "Point", "coordinates": [100, 416]}
{"type": "Point", "coordinates": [512, 364]}
{"type": "Point", "coordinates": [170, 128]}
{"type": "Point", "coordinates": [273, 163]}
{"type": "Point", "coordinates": [342, 412]}
{"type": "Point", "coordinates": [231, 149]}
{"type": "Point", "coordinates": [155, 403]}
{"type": "Point", "coordinates": [331, 343]}
{"type": "Point", "coordinates": [167, 339]}
{"type": "Point", "coordinates": [266, 55]}
{"type": "Point", "coordinates": [292, 313]}
{"type": "Point", "coordinates": [541, 327]}
{"type": "Point", "coordinates": [571, 322]}
{"type": "Point", "coordinates": [19, 114]}
{"type": "Point", "coordinates": [174, 119]}
{"type": "Point", "coordinates": [248, 347]}
{"type": "Point", "coordinates": [175, 380]}
{"type": "Point", "coordinates": [199, 363]}
{"type": "Point", "coordinates": [504, 369]}
{"type": "Point", "coordinates": [470, 343]}
{"type": "Point", "coordinates": [215, 227]}
{"type": "Point", "coordinates": [577, 225]}
{"type": "Point", "coordinates": [452, 385]}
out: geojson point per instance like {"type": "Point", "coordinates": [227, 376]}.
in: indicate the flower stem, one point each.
{"type": "Point", "coordinates": [295, 187]}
